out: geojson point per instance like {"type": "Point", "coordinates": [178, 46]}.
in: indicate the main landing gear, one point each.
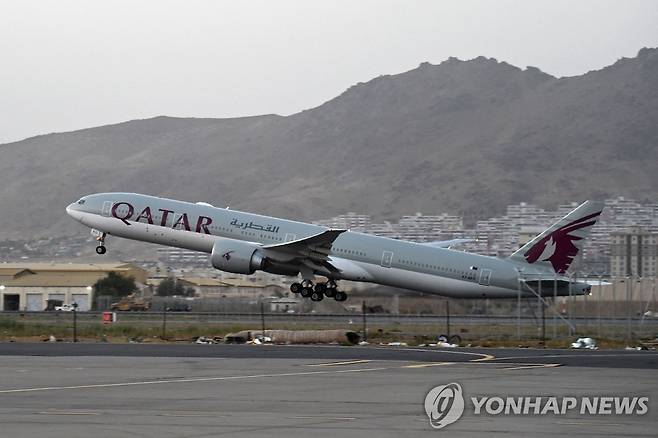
{"type": "Point", "coordinates": [100, 249]}
{"type": "Point", "coordinates": [317, 292]}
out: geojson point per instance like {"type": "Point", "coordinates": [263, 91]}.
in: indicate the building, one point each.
{"type": "Point", "coordinates": [28, 286]}
{"type": "Point", "coordinates": [204, 287]}
{"type": "Point", "coordinates": [286, 305]}
{"type": "Point", "coordinates": [634, 253]}
{"type": "Point", "coordinates": [231, 287]}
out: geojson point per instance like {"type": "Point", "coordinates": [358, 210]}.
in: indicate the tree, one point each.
{"type": "Point", "coordinates": [115, 285]}
{"type": "Point", "coordinates": [170, 287]}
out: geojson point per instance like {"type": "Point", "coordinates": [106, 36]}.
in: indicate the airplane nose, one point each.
{"type": "Point", "coordinates": [73, 210]}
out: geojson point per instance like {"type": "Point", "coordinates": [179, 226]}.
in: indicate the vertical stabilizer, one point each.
{"type": "Point", "coordinates": [556, 248]}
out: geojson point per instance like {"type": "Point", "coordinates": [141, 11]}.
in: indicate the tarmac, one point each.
{"type": "Point", "coordinates": [103, 390]}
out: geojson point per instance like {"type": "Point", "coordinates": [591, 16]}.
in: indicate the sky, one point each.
{"type": "Point", "coordinates": [67, 65]}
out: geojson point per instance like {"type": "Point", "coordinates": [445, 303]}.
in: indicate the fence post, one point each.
{"type": "Point", "coordinates": [262, 318]}
{"type": "Point", "coordinates": [571, 280]}
{"type": "Point", "coordinates": [448, 319]}
{"type": "Point", "coordinates": [164, 319]}
{"type": "Point", "coordinates": [555, 307]}
{"type": "Point", "coordinates": [365, 328]}
{"type": "Point", "coordinates": [629, 286]}
{"type": "Point", "coordinates": [598, 309]}
{"type": "Point", "coordinates": [518, 309]}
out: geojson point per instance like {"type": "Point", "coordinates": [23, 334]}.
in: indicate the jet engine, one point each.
{"type": "Point", "coordinates": [236, 256]}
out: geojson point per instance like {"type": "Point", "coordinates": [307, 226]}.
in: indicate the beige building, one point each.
{"type": "Point", "coordinates": [28, 286]}
{"type": "Point", "coordinates": [634, 253]}
{"type": "Point", "coordinates": [230, 287]}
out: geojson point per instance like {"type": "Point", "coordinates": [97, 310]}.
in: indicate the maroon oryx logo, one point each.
{"type": "Point", "coordinates": [227, 255]}
{"type": "Point", "coordinates": [561, 250]}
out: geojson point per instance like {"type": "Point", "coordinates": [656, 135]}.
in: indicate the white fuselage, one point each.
{"type": "Point", "coordinates": [357, 256]}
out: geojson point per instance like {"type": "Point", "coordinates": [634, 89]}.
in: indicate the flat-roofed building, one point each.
{"type": "Point", "coordinates": [29, 286]}
{"type": "Point", "coordinates": [634, 253]}
{"type": "Point", "coordinates": [230, 287]}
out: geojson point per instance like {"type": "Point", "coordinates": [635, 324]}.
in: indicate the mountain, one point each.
{"type": "Point", "coordinates": [466, 137]}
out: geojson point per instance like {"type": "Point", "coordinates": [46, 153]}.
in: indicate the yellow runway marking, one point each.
{"type": "Point", "coordinates": [486, 357]}
{"type": "Point", "coordinates": [533, 365]}
{"type": "Point", "coordinates": [333, 364]}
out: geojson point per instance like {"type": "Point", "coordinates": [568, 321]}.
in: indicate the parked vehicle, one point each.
{"type": "Point", "coordinates": [65, 308]}
{"type": "Point", "coordinates": [52, 305]}
{"type": "Point", "coordinates": [131, 303]}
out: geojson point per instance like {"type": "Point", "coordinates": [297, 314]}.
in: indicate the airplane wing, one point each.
{"type": "Point", "coordinates": [447, 243]}
{"type": "Point", "coordinates": [317, 244]}
{"type": "Point", "coordinates": [312, 251]}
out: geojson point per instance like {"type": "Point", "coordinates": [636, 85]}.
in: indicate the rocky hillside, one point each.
{"type": "Point", "coordinates": [463, 137]}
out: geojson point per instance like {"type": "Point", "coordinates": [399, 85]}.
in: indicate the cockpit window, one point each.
{"type": "Point", "coordinates": [81, 202]}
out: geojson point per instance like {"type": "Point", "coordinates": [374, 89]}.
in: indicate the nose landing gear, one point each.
{"type": "Point", "coordinates": [317, 292]}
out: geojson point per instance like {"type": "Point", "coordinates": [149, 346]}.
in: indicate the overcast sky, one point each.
{"type": "Point", "coordinates": [66, 65]}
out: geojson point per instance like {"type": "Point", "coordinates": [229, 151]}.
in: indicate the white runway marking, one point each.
{"type": "Point", "coordinates": [67, 413]}
{"type": "Point", "coordinates": [583, 355]}
{"type": "Point", "coordinates": [483, 356]}
{"type": "Point", "coordinates": [332, 364]}
{"type": "Point", "coordinates": [431, 364]}
{"type": "Point", "coordinates": [186, 380]}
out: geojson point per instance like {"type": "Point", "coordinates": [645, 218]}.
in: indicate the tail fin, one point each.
{"type": "Point", "coordinates": [555, 248]}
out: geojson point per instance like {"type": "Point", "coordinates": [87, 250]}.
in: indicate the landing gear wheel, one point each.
{"type": "Point", "coordinates": [296, 288]}
{"type": "Point", "coordinates": [340, 296]}
{"type": "Point", "coordinates": [320, 288]}
{"type": "Point", "coordinates": [306, 292]}
{"type": "Point", "coordinates": [330, 292]}
{"type": "Point", "coordinates": [316, 296]}
{"type": "Point", "coordinates": [100, 249]}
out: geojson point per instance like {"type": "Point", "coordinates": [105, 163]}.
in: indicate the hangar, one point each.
{"type": "Point", "coordinates": [28, 286]}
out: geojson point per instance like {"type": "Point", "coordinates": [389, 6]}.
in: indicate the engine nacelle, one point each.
{"type": "Point", "coordinates": [236, 256]}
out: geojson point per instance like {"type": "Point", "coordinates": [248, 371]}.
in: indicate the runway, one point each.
{"type": "Point", "coordinates": [580, 358]}
{"type": "Point", "coordinates": [81, 390]}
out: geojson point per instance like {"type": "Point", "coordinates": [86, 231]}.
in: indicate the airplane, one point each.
{"type": "Point", "coordinates": [243, 243]}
